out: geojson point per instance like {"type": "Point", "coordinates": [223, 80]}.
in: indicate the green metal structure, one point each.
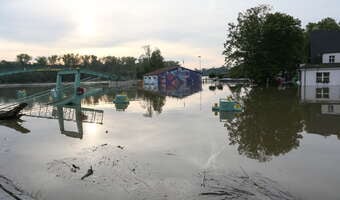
{"type": "Point", "coordinates": [59, 84]}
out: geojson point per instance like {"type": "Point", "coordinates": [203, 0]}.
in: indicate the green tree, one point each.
{"type": "Point", "coordinates": [328, 24]}
{"type": "Point", "coordinates": [156, 60]}
{"type": "Point", "coordinates": [23, 59]}
{"type": "Point", "coordinates": [170, 63]}
{"type": "Point", "coordinates": [71, 60]}
{"type": "Point", "coordinates": [85, 60]}
{"type": "Point", "coordinates": [52, 60]}
{"type": "Point", "coordinates": [41, 61]}
{"type": "Point", "coordinates": [264, 43]}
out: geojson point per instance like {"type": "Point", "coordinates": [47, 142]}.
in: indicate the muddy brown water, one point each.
{"type": "Point", "coordinates": [163, 147]}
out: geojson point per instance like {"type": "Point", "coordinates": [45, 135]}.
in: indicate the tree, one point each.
{"type": "Point", "coordinates": [41, 61]}
{"type": "Point", "coordinates": [52, 60]}
{"type": "Point", "coordinates": [71, 60]}
{"type": "Point", "coordinates": [85, 60]}
{"type": "Point", "coordinates": [264, 43]}
{"type": "Point", "coordinates": [327, 24]}
{"type": "Point", "coordinates": [156, 60]}
{"type": "Point", "coordinates": [23, 59]}
{"type": "Point", "coordinates": [170, 63]}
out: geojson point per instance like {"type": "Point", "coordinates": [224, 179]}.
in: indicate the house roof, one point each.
{"type": "Point", "coordinates": [165, 69]}
{"type": "Point", "coordinates": [323, 42]}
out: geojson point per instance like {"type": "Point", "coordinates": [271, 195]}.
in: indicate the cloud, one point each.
{"type": "Point", "coordinates": [182, 29]}
{"type": "Point", "coordinates": [32, 22]}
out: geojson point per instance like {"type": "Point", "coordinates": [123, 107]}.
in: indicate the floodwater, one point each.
{"type": "Point", "coordinates": [166, 147]}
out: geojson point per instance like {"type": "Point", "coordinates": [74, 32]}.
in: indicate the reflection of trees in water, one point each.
{"type": "Point", "coordinates": [269, 125]}
{"type": "Point", "coordinates": [152, 102]}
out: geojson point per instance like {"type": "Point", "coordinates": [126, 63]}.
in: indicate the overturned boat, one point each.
{"type": "Point", "coordinates": [14, 113]}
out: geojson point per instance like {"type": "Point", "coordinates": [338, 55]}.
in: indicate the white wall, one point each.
{"type": "Point", "coordinates": [330, 109]}
{"type": "Point", "coordinates": [150, 80]}
{"type": "Point", "coordinates": [310, 74]}
{"type": "Point", "coordinates": [308, 94]}
{"type": "Point", "coordinates": [325, 57]}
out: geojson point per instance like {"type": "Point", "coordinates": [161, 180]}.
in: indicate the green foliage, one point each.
{"type": "Point", "coordinates": [124, 67]}
{"type": "Point", "coordinates": [71, 60]}
{"type": "Point", "coordinates": [156, 60]}
{"type": "Point", "coordinates": [328, 24]}
{"type": "Point", "coordinates": [52, 60]}
{"type": "Point", "coordinates": [264, 43]}
{"type": "Point", "coordinates": [41, 61]}
{"type": "Point", "coordinates": [23, 59]}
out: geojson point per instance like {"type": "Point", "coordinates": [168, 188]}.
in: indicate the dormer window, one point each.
{"type": "Point", "coordinates": [331, 59]}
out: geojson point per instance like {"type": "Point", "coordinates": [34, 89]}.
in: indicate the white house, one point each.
{"type": "Point", "coordinates": [320, 75]}
{"type": "Point", "coordinates": [331, 58]}
{"type": "Point", "coordinates": [320, 80]}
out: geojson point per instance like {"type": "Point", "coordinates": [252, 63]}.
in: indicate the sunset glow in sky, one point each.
{"type": "Point", "coordinates": [182, 29]}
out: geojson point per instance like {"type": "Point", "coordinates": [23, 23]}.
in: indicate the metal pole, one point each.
{"type": "Point", "coordinates": [200, 61]}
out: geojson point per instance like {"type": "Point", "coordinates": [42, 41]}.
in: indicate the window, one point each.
{"type": "Point", "coordinates": [330, 108]}
{"type": "Point", "coordinates": [331, 59]}
{"type": "Point", "coordinates": [322, 77]}
{"type": "Point", "coordinates": [322, 93]}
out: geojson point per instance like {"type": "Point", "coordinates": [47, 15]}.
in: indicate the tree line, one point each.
{"type": "Point", "coordinates": [124, 67]}
{"type": "Point", "coordinates": [263, 45]}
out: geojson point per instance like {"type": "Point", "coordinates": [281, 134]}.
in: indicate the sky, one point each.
{"type": "Point", "coordinates": [181, 29]}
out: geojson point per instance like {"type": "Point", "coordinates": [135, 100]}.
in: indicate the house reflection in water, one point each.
{"type": "Point", "coordinates": [173, 81]}
{"type": "Point", "coordinates": [322, 105]}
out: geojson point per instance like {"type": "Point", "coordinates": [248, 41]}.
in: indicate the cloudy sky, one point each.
{"type": "Point", "coordinates": [182, 29]}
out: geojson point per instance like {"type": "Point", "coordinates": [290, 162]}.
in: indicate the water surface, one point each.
{"type": "Point", "coordinates": [169, 142]}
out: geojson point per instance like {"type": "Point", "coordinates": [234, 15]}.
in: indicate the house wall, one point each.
{"type": "Point", "coordinates": [308, 94]}
{"type": "Point", "coordinates": [150, 80]}
{"type": "Point", "coordinates": [330, 109]}
{"type": "Point", "coordinates": [308, 77]}
{"type": "Point", "coordinates": [325, 57]}
{"type": "Point", "coordinates": [179, 77]}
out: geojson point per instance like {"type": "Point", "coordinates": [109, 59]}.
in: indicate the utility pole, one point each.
{"type": "Point", "coordinates": [200, 61]}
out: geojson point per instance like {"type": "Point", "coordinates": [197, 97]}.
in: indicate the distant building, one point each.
{"type": "Point", "coordinates": [173, 81]}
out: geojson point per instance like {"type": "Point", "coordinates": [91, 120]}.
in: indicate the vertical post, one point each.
{"type": "Point", "coordinates": [61, 118]}
{"type": "Point", "coordinates": [76, 81]}
{"type": "Point", "coordinates": [79, 120]}
{"type": "Point", "coordinates": [200, 60]}
{"type": "Point", "coordinates": [59, 83]}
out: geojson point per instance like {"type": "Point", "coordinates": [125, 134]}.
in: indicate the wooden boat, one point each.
{"type": "Point", "coordinates": [14, 113]}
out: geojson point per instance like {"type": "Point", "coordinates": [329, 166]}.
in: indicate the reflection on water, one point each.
{"type": "Point", "coordinates": [273, 120]}
{"type": "Point", "coordinates": [269, 125]}
{"type": "Point", "coordinates": [16, 125]}
{"type": "Point", "coordinates": [273, 124]}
